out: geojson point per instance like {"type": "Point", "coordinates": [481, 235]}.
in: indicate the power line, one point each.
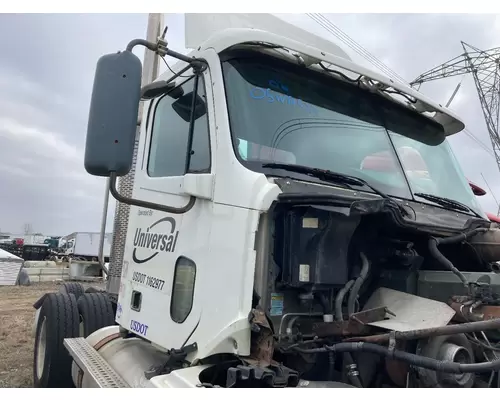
{"type": "Point", "coordinates": [326, 24]}
{"type": "Point", "coordinates": [484, 67]}
{"type": "Point", "coordinates": [339, 34]}
{"type": "Point", "coordinates": [480, 143]}
{"type": "Point", "coordinates": [346, 39]}
{"type": "Point", "coordinates": [491, 191]}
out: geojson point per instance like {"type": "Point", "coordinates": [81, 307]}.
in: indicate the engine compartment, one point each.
{"type": "Point", "coordinates": [360, 298]}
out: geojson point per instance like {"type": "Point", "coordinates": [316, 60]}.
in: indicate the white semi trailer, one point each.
{"type": "Point", "coordinates": [296, 220]}
{"type": "Point", "coordinates": [85, 246]}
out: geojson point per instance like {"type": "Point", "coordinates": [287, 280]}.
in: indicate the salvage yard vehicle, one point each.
{"type": "Point", "coordinates": [479, 191]}
{"type": "Point", "coordinates": [84, 246]}
{"type": "Point", "coordinates": [265, 247]}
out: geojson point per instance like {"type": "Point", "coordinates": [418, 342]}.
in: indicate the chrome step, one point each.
{"type": "Point", "coordinates": [92, 363]}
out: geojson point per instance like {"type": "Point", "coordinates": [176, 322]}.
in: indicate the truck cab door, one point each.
{"type": "Point", "coordinates": [165, 254]}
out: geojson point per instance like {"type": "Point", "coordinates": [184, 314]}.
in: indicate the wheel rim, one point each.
{"type": "Point", "coordinates": [41, 349]}
{"type": "Point", "coordinates": [81, 328]}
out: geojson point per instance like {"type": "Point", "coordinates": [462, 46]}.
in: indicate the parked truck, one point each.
{"type": "Point", "coordinates": [84, 246]}
{"type": "Point", "coordinates": [264, 248]}
{"type": "Point", "coordinates": [479, 191]}
{"type": "Point", "coordinates": [53, 242]}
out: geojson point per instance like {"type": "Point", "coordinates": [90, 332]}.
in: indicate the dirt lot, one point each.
{"type": "Point", "coordinates": [16, 343]}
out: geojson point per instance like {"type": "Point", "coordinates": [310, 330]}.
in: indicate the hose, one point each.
{"type": "Point", "coordinates": [433, 243]}
{"type": "Point", "coordinates": [355, 380]}
{"type": "Point", "coordinates": [331, 366]}
{"type": "Point", "coordinates": [454, 329]}
{"type": "Point", "coordinates": [351, 302]}
{"type": "Point", "coordinates": [340, 299]}
{"type": "Point", "coordinates": [338, 316]}
{"type": "Point", "coordinates": [460, 237]}
{"type": "Point", "coordinates": [412, 359]}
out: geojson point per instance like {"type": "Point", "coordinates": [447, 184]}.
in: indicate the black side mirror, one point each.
{"type": "Point", "coordinates": [113, 114]}
{"type": "Point", "coordinates": [183, 107]}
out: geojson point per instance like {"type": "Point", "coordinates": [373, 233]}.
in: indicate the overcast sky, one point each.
{"type": "Point", "coordinates": [46, 76]}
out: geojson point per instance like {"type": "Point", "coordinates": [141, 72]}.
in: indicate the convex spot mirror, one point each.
{"type": "Point", "coordinates": [184, 104]}
{"type": "Point", "coordinates": [113, 114]}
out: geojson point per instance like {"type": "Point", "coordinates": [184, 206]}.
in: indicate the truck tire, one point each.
{"type": "Point", "coordinates": [96, 312]}
{"type": "Point", "coordinates": [72, 288]}
{"type": "Point", "coordinates": [51, 362]}
{"type": "Point", "coordinates": [92, 289]}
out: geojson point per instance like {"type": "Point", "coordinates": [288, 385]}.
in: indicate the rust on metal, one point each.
{"type": "Point", "coordinates": [489, 312]}
{"type": "Point", "coordinates": [371, 315]}
{"type": "Point", "coordinates": [106, 340]}
{"type": "Point", "coordinates": [262, 344]}
{"type": "Point", "coordinates": [466, 310]}
{"type": "Point", "coordinates": [467, 327]}
{"type": "Point", "coordinates": [397, 370]}
{"type": "Point", "coordinates": [339, 328]}
{"type": "Point", "coordinates": [356, 325]}
{"type": "Point", "coordinates": [487, 244]}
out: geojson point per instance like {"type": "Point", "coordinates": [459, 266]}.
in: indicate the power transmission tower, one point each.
{"type": "Point", "coordinates": [485, 69]}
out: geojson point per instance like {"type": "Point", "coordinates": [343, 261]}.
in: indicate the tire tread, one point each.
{"type": "Point", "coordinates": [96, 311]}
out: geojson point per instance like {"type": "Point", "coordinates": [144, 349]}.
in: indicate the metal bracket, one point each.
{"type": "Point", "coordinates": [175, 359]}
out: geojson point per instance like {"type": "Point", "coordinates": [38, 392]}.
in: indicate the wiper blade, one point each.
{"type": "Point", "coordinates": [444, 201]}
{"type": "Point", "coordinates": [323, 174]}
{"type": "Point", "coordinates": [335, 177]}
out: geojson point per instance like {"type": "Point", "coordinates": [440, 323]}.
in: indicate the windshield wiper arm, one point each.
{"type": "Point", "coordinates": [335, 177]}
{"type": "Point", "coordinates": [323, 174]}
{"type": "Point", "coordinates": [444, 201]}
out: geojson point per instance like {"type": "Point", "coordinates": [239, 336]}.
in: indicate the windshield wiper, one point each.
{"type": "Point", "coordinates": [444, 201]}
{"type": "Point", "coordinates": [323, 174]}
{"type": "Point", "coordinates": [334, 177]}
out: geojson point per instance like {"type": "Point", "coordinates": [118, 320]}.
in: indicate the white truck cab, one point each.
{"type": "Point", "coordinates": [271, 172]}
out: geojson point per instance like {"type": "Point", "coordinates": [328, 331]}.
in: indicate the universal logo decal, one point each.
{"type": "Point", "coordinates": [165, 240]}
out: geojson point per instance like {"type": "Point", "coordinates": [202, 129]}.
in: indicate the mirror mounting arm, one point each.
{"type": "Point", "coordinates": [191, 124]}
{"type": "Point", "coordinates": [146, 204]}
{"type": "Point", "coordinates": [160, 47]}
{"type": "Point", "coordinates": [141, 42]}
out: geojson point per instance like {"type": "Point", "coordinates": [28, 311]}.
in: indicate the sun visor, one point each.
{"type": "Point", "coordinates": [199, 27]}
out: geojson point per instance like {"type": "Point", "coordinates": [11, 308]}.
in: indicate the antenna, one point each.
{"type": "Point", "coordinates": [491, 192]}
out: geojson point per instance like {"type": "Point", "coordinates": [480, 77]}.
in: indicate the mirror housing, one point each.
{"type": "Point", "coordinates": [156, 89]}
{"type": "Point", "coordinates": [477, 190]}
{"type": "Point", "coordinates": [114, 108]}
{"type": "Point", "coordinates": [183, 106]}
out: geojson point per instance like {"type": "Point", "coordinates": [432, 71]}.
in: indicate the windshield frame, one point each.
{"type": "Point", "coordinates": [385, 103]}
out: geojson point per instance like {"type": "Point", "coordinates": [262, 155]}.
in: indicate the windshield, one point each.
{"type": "Point", "coordinates": [283, 113]}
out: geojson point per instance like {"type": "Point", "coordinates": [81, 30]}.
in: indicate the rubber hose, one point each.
{"type": "Point", "coordinates": [340, 299]}
{"type": "Point", "coordinates": [355, 380]}
{"type": "Point", "coordinates": [331, 366]}
{"type": "Point", "coordinates": [461, 237]}
{"type": "Point", "coordinates": [413, 359]}
{"type": "Point", "coordinates": [351, 302]}
{"type": "Point", "coordinates": [433, 242]}
{"type": "Point", "coordinates": [338, 316]}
